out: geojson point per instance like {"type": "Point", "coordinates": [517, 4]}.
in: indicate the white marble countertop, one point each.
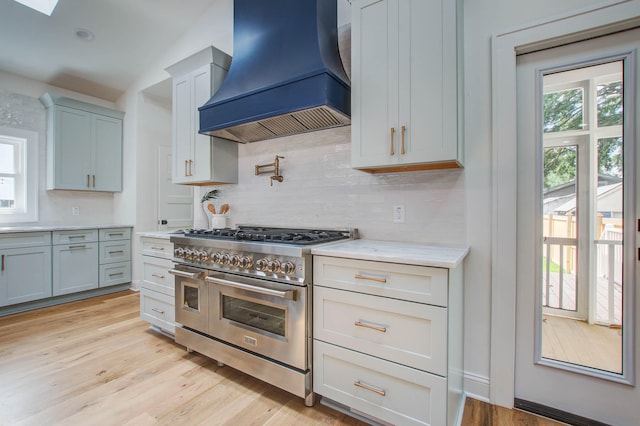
{"type": "Point", "coordinates": [49, 228]}
{"type": "Point", "coordinates": [421, 254]}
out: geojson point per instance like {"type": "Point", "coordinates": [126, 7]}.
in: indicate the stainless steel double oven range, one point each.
{"type": "Point", "coordinates": [243, 298]}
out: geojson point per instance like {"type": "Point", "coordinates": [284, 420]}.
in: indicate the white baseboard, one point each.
{"type": "Point", "coordinates": [477, 387]}
{"type": "Point", "coordinates": [135, 285]}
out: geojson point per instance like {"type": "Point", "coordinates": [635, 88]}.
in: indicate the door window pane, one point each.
{"type": "Point", "coordinates": [563, 110]}
{"type": "Point", "coordinates": [610, 104]}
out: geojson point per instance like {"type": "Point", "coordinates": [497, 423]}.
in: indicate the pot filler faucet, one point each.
{"type": "Point", "coordinates": [275, 170]}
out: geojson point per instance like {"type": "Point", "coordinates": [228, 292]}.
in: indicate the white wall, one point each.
{"type": "Point", "coordinates": [21, 108]}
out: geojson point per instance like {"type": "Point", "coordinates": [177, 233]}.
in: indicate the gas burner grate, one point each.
{"type": "Point", "coordinates": [269, 235]}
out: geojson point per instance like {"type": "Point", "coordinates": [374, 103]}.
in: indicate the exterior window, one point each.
{"type": "Point", "coordinates": [18, 175]}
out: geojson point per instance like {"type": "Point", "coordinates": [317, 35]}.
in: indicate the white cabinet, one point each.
{"type": "Point", "coordinates": [199, 159]}
{"type": "Point", "coordinates": [157, 290]}
{"type": "Point", "coordinates": [75, 261]}
{"type": "Point", "coordinates": [84, 145]}
{"type": "Point", "coordinates": [404, 85]}
{"type": "Point", "coordinates": [388, 339]}
{"type": "Point", "coordinates": [25, 270]}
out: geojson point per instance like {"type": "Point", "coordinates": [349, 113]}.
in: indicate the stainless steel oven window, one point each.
{"type": "Point", "coordinates": [191, 297]}
{"type": "Point", "coordinates": [271, 319]}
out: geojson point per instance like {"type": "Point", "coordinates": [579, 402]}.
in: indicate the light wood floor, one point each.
{"type": "Point", "coordinates": [95, 362]}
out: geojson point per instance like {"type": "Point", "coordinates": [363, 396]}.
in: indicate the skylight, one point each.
{"type": "Point", "coordinates": [42, 6]}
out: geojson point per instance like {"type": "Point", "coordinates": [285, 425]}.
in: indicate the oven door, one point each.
{"type": "Point", "coordinates": [261, 316]}
{"type": "Point", "coordinates": [192, 297]}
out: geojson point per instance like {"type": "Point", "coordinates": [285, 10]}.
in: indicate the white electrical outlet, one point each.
{"type": "Point", "coordinates": [398, 213]}
{"type": "Point", "coordinates": [75, 211]}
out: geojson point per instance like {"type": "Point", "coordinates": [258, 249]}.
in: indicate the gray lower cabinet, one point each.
{"type": "Point", "coordinates": [75, 261]}
{"type": "Point", "coordinates": [115, 256]}
{"type": "Point", "coordinates": [25, 272]}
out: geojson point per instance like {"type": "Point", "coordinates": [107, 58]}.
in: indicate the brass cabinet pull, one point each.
{"type": "Point", "coordinates": [393, 133]}
{"type": "Point", "coordinates": [158, 276]}
{"type": "Point", "coordinates": [94, 181]}
{"type": "Point", "coordinates": [116, 234]}
{"type": "Point", "coordinates": [364, 277]}
{"type": "Point", "coordinates": [371, 326]}
{"type": "Point", "coordinates": [190, 171]}
{"type": "Point", "coordinates": [160, 311]}
{"type": "Point", "coordinates": [116, 251]}
{"type": "Point", "coordinates": [88, 181]}
{"type": "Point", "coordinates": [77, 247]}
{"type": "Point", "coordinates": [404, 128]}
{"type": "Point", "coordinates": [3, 262]}
{"type": "Point", "coordinates": [379, 391]}
{"type": "Point", "coordinates": [185, 167]}
{"type": "Point", "coordinates": [157, 248]}
{"type": "Point", "coordinates": [115, 274]}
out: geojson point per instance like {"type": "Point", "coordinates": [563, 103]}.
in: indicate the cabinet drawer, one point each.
{"type": "Point", "coordinates": [25, 239]}
{"type": "Point", "coordinates": [115, 273]}
{"type": "Point", "coordinates": [407, 282]}
{"type": "Point", "coordinates": [156, 275]}
{"type": "Point", "coordinates": [158, 309]}
{"type": "Point", "coordinates": [115, 251]}
{"type": "Point", "coordinates": [75, 236]}
{"type": "Point", "coordinates": [388, 391]}
{"type": "Point", "coordinates": [111, 234]}
{"type": "Point", "coordinates": [408, 333]}
{"type": "Point", "coordinates": [157, 247]}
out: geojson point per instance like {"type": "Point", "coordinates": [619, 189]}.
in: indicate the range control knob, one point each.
{"type": "Point", "coordinates": [261, 265]}
{"type": "Point", "coordinates": [203, 255]}
{"type": "Point", "coordinates": [179, 252]}
{"type": "Point", "coordinates": [188, 254]}
{"type": "Point", "coordinates": [234, 260]}
{"type": "Point", "coordinates": [224, 259]}
{"type": "Point", "coordinates": [216, 257]}
{"type": "Point", "coordinates": [273, 266]}
{"type": "Point", "coordinates": [246, 262]}
{"type": "Point", "coordinates": [288, 267]}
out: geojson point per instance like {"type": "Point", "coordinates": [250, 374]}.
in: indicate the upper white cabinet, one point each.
{"type": "Point", "coordinates": [404, 85]}
{"type": "Point", "coordinates": [84, 145]}
{"type": "Point", "coordinates": [199, 159]}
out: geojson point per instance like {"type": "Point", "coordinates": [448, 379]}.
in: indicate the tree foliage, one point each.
{"type": "Point", "coordinates": [564, 111]}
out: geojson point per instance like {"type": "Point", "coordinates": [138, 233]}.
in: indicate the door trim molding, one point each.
{"type": "Point", "coordinates": [600, 19]}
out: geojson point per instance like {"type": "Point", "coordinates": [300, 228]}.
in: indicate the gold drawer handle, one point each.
{"type": "Point", "coordinates": [160, 311]}
{"type": "Point", "coordinates": [393, 133]}
{"type": "Point", "coordinates": [371, 326]}
{"type": "Point", "coordinates": [379, 391]}
{"type": "Point", "coordinates": [364, 277]}
{"type": "Point", "coordinates": [404, 128]}
{"type": "Point", "coordinates": [158, 276]}
{"type": "Point", "coordinates": [157, 248]}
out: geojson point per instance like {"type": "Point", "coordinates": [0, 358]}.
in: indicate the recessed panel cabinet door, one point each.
{"type": "Point", "coordinates": [72, 148]}
{"type": "Point", "coordinates": [182, 129]}
{"type": "Point", "coordinates": [25, 274]}
{"type": "Point", "coordinates": [75, 268]}
{"type": "Point", "coordinates": [107, 134]}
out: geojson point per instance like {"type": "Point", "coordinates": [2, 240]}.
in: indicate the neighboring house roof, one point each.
{"type": "Point", "coordinates": [608, 199]}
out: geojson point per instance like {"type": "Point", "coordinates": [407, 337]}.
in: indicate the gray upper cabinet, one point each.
{"type": "Point", "coordinates": [199, 159]}
{"type": "Point", "coordinates": [84, 145]}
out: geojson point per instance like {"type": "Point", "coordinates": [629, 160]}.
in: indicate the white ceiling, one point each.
{"type": "Point", "coordinates": [129, 35]}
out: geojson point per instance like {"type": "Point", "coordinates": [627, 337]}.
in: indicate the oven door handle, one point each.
{"type": "Point", "coordinates": [286, 294]}
{"type": "Point", "coordinates": [192, 275]}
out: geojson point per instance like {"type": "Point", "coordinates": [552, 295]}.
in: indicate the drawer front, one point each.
{"type": "Point", "coordinates": [115, 273]}
{"type": "Point", "coordinates": [382, 389]}
{"type": "Point", "coordinates": [157, 247]}
{"type": "Point", "coordinates": [158, 309]}
{"type": "Point", "coordinates": [115, 251]}
{"type": "Point", "coordinates": [25, 239]}
{"type": "Point", "coordinates": [407, 282]}
{"type": "Point", "coordinates": [75, 236]}
{"type": "Point", "coordinates": [112, 234]}
{"type": "Point", "coordinates": [156, 275]}
{"type": "Point", "coordinates": [408, 333]}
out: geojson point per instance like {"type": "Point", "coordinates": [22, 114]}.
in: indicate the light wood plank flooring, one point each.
{"type": "Point", "coordinates": [95, 362]}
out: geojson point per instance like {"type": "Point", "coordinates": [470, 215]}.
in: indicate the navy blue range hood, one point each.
{"type": "Point", "coordinates": [286, 75]}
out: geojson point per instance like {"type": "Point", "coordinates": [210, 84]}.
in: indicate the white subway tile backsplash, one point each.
{"type": "Point", "coordinates": [320, 189]}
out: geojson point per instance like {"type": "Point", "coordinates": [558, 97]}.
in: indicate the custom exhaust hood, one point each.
{"type": "Point", "coordinates": [286, 75]}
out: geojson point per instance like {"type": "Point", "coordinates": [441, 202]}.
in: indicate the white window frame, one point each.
{"type": "Point", "coordinates": [26, 176]}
